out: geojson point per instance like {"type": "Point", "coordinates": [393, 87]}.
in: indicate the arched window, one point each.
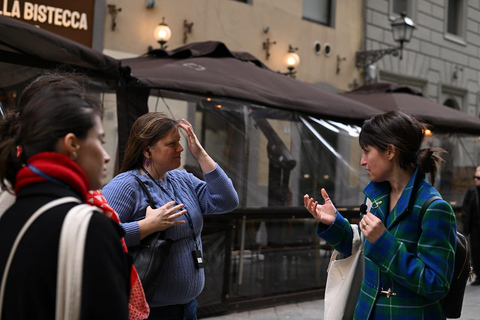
{"type": "Point", "coordinates": [451, 103]}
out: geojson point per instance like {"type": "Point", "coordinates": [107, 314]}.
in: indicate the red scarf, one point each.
{"type": "Point", "coordinates": [57, 166]}
{"type": "Point", "coordinates": [137, 306]}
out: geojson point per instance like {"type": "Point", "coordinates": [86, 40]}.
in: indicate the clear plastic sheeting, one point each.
{"type": "Point", "coordinates": [275, 157]}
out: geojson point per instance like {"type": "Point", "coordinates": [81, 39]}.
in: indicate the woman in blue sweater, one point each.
{"type": "Point", "coordinates": [153, 152]}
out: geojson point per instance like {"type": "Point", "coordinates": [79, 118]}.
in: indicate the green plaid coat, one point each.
{"type": "Point", "coordinates": [416, 265]}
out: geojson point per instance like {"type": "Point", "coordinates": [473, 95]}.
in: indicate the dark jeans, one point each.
{"type": "Point", "coordinates": [186, 311]}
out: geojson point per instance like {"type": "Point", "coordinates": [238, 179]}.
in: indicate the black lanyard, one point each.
{"type": "Point", "coordinates": [175, 197]}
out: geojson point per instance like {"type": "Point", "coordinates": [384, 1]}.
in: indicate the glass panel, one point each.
{"type": "Point", "coordinates": [400, 6]}
{"type": "Point", "coordinates": [453, 17]}
{"type": "Point", "coordinates": [279, 256]}
{"type": "Point", "coordinates": [317, 11]}
{"type": "Point", "coordinates": [463, 157]}
{"type": "Point", "coordinates": [274, 157]}
{"type": "Point", "coordinates": [110, 122]}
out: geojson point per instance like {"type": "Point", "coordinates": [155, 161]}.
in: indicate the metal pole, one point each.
{"type": "Point", "coordinates": [242, 249]}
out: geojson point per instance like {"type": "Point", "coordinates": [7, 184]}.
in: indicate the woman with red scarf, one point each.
{"type": "Point", "coordinates": [57, 152]}
{"type": "Point", "coordinates": [72, 82]}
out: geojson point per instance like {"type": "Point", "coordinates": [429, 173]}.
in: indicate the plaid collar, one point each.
{"type": "Point", "coordinates": [378, 193]}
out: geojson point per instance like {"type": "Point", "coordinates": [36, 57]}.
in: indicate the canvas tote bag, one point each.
{"type": "Point", "coordinates": [344, 279]}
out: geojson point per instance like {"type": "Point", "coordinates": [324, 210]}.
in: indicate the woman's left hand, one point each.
{"type": "Point", "coordinates": [372, 227]}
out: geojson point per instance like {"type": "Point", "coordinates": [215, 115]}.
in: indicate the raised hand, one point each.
{"type": "Point", "coordinates": [325, 213]}
{"type": "Point", "coordinates": [206, 162]}
{"type": "Point", "coordinates": [193, 144]}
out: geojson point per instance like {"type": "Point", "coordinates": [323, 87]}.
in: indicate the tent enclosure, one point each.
{"type": "Point", "coordinates": [386, 97]}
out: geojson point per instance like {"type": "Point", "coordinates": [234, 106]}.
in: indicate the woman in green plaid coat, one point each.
{"type": "Point", "coordinates": [408, 269]}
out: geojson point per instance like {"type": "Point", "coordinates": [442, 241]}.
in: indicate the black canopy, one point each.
{"type": "Point", "coordinates": [22, 44]}
{"type": "Point", "coordinates": [386, 97]}
{"type": "Point", "coordinates": [210, 68]}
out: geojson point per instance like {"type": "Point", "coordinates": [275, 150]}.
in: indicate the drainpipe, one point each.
{"type": "Point", "coordinates": [364, 72]}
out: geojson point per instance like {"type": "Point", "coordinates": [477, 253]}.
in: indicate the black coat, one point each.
{"type": "Point", "coordinates": [31, 285]}
{"type": "Point", "coordinates": [470, 211]}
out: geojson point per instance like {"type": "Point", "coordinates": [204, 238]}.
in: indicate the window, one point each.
{"type": "Point", "coordinates": [245, 1]}
{"type": "Point", "coordinates": [455, 15]}
{"type": "Point", "coordinates": [319, 11]}
{"type": "Point", "coordinates": [399, 6]}
{"type": "Point", "coordinates": [455, 20]}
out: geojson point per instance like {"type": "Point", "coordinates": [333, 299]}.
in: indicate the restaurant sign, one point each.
{"type": "Point", "coordinates": [70, 19]}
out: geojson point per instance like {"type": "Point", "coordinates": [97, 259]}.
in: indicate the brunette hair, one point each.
{"type": "Point", "coordinates": [406, 134]}
{"type": "Point", "coordinates": [42, 122]}
{"type": "Point", "coordinates": [146, 131]}
{"type": "Point", "coordinates": [48, 80]}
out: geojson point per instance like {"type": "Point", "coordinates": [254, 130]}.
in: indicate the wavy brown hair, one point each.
{"type": "Point", "coordinates": [146, 131]}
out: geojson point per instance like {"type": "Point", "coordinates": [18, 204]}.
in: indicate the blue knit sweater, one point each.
{"type": "Point", "coordinates": [181, 281]}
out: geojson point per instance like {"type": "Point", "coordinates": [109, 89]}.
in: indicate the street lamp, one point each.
{"type": "Point", "coordinates": [291, 60]}
{"type": "Point", "coordinates": [402, 30]}
{"type": "Point", "coordinates": [162, 34]}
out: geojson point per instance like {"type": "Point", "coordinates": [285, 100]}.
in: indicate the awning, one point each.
{"type": "Point", "coordinates": [211, 69]}
{"type": "Point", "coordinates": [32, 48]}
{"type": "Point", "coordinates": [386, 97]}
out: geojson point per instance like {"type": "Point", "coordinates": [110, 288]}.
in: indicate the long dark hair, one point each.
{"type": "Point", "coordinates": [147, 130]}
{"type": "Point", "coordinates": [406, 134]}
{"type": "Point", "coordinates": [59, 80]}
{"type": "Point", "coordinates": [42, 122]}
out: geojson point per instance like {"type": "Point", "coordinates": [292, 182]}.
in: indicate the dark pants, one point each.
{"type": "Point", "coordinates": [186, 311]}
{"type": "Point", "coordinates": [475, 251]}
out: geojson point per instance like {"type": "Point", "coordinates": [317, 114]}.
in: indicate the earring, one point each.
{"type": "Point", "coordinates": [148, 162]}
{"type": "Point", "coordinates": [74, 155]}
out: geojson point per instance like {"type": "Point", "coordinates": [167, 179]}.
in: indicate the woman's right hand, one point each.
{"type": "Point", "coordinates": [325, 213]}
{"type": "Point", "coordinates": [161, 218]}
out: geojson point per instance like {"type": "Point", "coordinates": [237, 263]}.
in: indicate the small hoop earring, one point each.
{"type": "Point", "coordinates": [148, 162]}
{"type": "Point", "coordinates": [74, 155]}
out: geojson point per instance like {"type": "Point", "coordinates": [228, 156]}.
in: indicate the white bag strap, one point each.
{"type": "Point", "coordinates": [70, 262]}
{"type": "Point", "coordinates": [357, 243]}
{"type": "Point", "coordinates": [358, 237]}
{"type": "Point", "coordinates": [29, 222]}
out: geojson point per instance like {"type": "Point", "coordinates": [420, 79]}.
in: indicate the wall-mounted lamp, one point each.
{"type": "Point", "coordinates": [162, 34]}
{"type": "Point", "coordinates": [402, 30]}
{"type": "Point", "coordinates": [291, 60]}
{"type": "Point", "coordinates": [456, 70]}
{"type": "Point", "coordinates": [266, 46]}
{"type": "Point", "coordinates": [339, 60]}
{"type": "Point", "coordinates": [113, 11]}
{"type": "Point", "coordinates": [187, 28]}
